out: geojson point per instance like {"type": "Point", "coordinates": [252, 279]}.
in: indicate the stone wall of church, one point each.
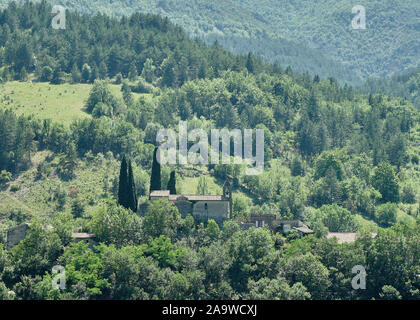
{"type": "Point", "coordinates": [184, 207]}
{"type": "Point", "coordinates": [217, 210]}
{"type": "Point", "coordinates": [15, 235]}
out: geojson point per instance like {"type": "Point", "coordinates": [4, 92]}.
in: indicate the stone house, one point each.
{"type": "Point", "coordinates": [276, 224]}
{"type": "Point", "coordinates": [88, 238]}
{"type": "Point", "coordinates": [16, 234]}
{"type": "Point", "coordinates": [201, 207]}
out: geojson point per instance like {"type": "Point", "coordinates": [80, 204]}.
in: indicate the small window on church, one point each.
{"type": "Point", "coordinates": [205, 206]}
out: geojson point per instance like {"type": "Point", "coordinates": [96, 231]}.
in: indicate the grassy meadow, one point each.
{"type": "Point", "coordinates": [62, 103]}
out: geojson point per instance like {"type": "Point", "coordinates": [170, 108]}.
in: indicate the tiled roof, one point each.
{"type": "Point", "coordinates": [345, 237]}
{"type": "Point", "coordinates": [82, 235]}
{"type": "Point", "coordinates": [160, 193]}
{"type": "Point", "coordinates": [197, 197]}
{"type": "Point", "coordinates": [189, 197]}
{"type": "Point", "coordinates": [304, 229]}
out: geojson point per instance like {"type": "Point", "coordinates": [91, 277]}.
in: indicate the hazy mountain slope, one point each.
{"type": "Point", "coordinates": [389, 44]}
{"type": "Point", "coordinates": [234, 26]}
{"type": "Point", "coordinates": [405, 85]}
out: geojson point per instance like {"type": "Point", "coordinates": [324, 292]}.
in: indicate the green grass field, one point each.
{"type": "Point", "coordinates": [62, 103]}
{"type": "Point", "coordinates": [189, 185]}
{"type": "Point", "coordinates": [35, 196]}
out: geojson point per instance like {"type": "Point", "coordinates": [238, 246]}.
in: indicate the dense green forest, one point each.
{"type": "Point", "coordinates": [337, 160]}
{"type": "Point", "coordinates": [317, 38]}
{"type": "Point", "coordinates": [405, 85]}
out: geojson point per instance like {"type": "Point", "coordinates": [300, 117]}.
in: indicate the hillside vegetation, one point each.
{"type": "Point", "coordinates": [77, 103]}
{"type": "Point", "coordinates": [405, 85]}
{"type": "Point", "coordinates": [317, 38]}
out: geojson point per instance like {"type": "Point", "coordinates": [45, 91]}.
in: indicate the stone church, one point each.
{"type": "Point", "coordinates": [201, 207]}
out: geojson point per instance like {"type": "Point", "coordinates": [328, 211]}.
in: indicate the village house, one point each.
{"type": "Point", "coordinates": [201, 207]}
{"type": "Point", "coordinates": [88, 238]}
{"type": "Point", "coordinates": [18, 233]}
{"type": "Point", "coordinates": [276, 224]}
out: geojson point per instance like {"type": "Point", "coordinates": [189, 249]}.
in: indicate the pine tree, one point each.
{"type": "Point", "coordinates": [172, 183]}
{"type": "Point", "coordinates": [103, 70]}
{"type": "Point", "coordinates": [250, 63]}
{"type": "Point", "coordinates": [123, 191]}
{"type": "Point", "coordinates": [76, 76]}
{"type": "Point", "coordinates": [127, 95]}
{"type": "Point", "coordinates": [132, 74]}
{"type": "Point", "coordinates": [86, 72]}
{"type": "Point", "coordinates": [132, 195]}
{"type": "Point", "coordinates": [23, 74]}
{"type": "Point", "coordinates": [155, 179]}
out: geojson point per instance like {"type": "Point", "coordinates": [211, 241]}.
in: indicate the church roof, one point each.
{"type": "Point", "coordinates": [188, 197]}
{"type": "Point", "coordinates": [159, 193]}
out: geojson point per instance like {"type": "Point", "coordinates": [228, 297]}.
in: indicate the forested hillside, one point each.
{"type": "Point", "coordinates": [317, 38]}
{"type": "Point", "coordinates": [405, 85]}
{"type": "Point", "coordinates": [74, 103]}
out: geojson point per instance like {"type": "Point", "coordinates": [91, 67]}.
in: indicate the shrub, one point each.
{"type": "Point", "coordinates": [408, 194]}
{"type": "Point", "coordinates": [5, 177]}
{"type": "Point", "coordinates": [386, 214]}
{"type": "Point", "coordinates": [15, 188]}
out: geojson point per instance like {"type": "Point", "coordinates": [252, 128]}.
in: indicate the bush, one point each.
{"type": "Point", "coordinates": [142, 87]}
{"type": "Point", "coordinates": [118, 78]}
{"type": "Point", "coordinates": [386, 214]}
{"type": "Point", "coordinates": [77, 208]}
{"type": "Point", "coordinates": [5, 177]}
{"type": "Point", "coordinates": [46, 74]}
{"type": "Point", "coordinates": [113, 224]}
{"type": "Point", "coordinates": [408, 194]}
{"type": "Point", "coordinates": [337, 219]}
{"type": "Point", "coordinates": [14, 188]}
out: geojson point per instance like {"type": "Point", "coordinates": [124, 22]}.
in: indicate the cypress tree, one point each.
{"type": "Point", "coordinates": [172, 183]}
{"type": "Point", "coordinates": [155, 180]}
{"type": "Point", "coordinates": [132, 195]}
{"type": "Point", "coordinates": [123, 190]}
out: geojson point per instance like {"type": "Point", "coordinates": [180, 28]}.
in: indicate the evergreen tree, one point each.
{"type": "Point", "coordinates": [94, 73]}
{"type": "Point", "coordinates": [76, 76]}
{"type": "Point", "coordinates": [23, 74]}
{"type": "Point", "coordinates": [127, 95]}
{"type": "Point", "coordinates": [155, 179]}
{"type": "Point", "coordinates": [103, 70]}
{"type": "Point", "coordinates": [58, 76]}
{"type": "Point", "coordinates": [250, 63]}
{"type": "Point", "coordinates": [172, 183]}
{"type": "Point", "coordinates": [123, 190]}
{"type": "Point", "coordinates": [202, 187]}
{"type": "Point", "coordinates": [86, 72]}
{"type": "Point", "coordinates": [132, 194]}
{"type": "Point", "coordinates": [132, 74]}
{"type": "Point", "coordinates": [148, 70]}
